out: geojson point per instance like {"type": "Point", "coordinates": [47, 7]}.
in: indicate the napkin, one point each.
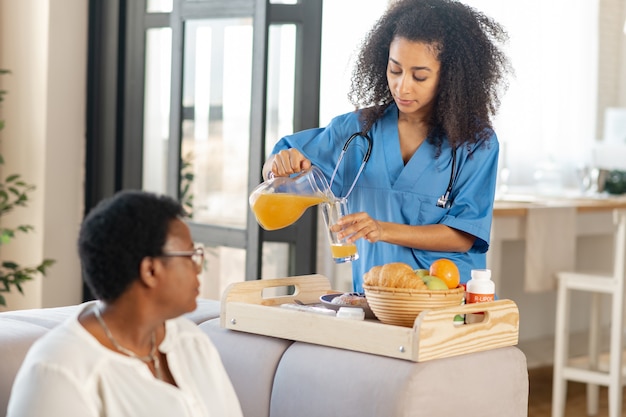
{"type": "Point", "coordinates": [550, 246]}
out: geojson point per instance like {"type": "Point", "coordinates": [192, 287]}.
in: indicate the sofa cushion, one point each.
{"type": "Point", "coordinates": [313, 381]}
{"type": "Point", "coordinates": [17, 338]}
{"type": "Point", "coordinates": [251, 361]}
{"type": "Point", "coordinates": [206, 310]}
{"type": "Point", "coordinates": [45, 317]}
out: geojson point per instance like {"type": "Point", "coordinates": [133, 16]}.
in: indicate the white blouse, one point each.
{"type": "Point", "coordinates": [69, 373]}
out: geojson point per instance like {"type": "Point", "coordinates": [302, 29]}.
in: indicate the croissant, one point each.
{"type": "Point", "coordinates": [372, 276]}
{"type": "Point", "coordinates": [393, 275]}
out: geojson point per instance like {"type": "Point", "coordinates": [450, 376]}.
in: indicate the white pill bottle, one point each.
{"type": "Point", "coordinates": [480, 288]}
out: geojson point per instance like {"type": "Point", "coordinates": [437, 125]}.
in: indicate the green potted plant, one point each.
{"type": "Point", "coordinates": [14, 193]}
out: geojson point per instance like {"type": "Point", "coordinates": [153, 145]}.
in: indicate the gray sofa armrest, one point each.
{"type": "Point", "coordinates": [313, 381]}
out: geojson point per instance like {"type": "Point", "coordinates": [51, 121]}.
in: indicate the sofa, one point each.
{"type": "Point", "coordinates": [283, 378]}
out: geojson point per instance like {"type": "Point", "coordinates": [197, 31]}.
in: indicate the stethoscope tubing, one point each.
{"type": "Point", "coordinates": [366, 158]}
{"type": "Point", "coordinates": [444, 201]}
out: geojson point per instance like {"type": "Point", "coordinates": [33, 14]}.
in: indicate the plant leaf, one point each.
{"type": "Point", "coordinates": [10, 265]}
{"type": "Point", "coordinates": [47, 263]}
{"type": "Point", "coordinates": [25, 228]}
{"type": "Point", "coordinates": [5, 237]}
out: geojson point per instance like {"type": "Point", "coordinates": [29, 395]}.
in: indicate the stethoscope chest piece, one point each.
{"type": "Point", "coordinates": [444, 201]}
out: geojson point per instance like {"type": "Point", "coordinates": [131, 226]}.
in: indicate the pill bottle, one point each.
{"type": "Point", "coordinates": [479, 289]}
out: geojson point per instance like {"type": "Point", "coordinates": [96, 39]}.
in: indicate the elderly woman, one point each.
{"type": "Point", "coordinates": [130, 353]}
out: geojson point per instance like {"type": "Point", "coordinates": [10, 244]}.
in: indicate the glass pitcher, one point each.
{"type": "Point", "coordinates": [280, 201]}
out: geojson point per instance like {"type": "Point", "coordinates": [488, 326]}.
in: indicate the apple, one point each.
{"type": "Point", "coordinates": [421, 272]}
{"type": "Point", "coordinates": [434, 283]}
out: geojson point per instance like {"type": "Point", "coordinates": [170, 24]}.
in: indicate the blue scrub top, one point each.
{"type": "Point", "coordinates": [388, 190]}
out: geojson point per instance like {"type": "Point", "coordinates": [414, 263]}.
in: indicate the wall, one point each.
{"type": "Point", "coordinates": [612, 59]}
{"type": "Point", "coordinates": [44, 44]}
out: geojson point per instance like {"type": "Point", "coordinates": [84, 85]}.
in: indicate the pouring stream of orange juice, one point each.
{"type": "Point", "coordinates": [277, 210]}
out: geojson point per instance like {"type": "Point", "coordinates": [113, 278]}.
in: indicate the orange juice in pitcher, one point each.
{"type": "Point", "coordinates": [276, 210]}
{"type": "Point", "coordinates": [280, 201]}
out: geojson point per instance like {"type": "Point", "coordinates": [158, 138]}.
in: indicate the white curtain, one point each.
{"type": "Point", "coordinates": [548, 115]}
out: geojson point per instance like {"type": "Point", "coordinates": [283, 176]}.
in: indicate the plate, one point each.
{"type": "Point", "coordinates": [326, 301]}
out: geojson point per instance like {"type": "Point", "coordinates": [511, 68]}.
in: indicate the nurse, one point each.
{"type": "Point", "coordinates": [426, 86]}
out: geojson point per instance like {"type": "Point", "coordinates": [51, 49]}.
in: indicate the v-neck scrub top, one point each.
{"type": "Point", "coordinates": [390, 191]}
{"type": "Point", "coordinates": [69, 373]}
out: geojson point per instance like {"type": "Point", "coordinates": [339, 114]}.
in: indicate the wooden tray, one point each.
{"type": "Point", "coordinates": [253, 307]}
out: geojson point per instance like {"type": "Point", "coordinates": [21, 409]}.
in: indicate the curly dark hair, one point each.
{"type": "Point", "coordinates": [118, 233]}
{"type": "Point", "coordinates": [473, 67]}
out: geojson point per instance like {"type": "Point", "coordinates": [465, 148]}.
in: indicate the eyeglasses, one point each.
{"type": "Point", "coordinates": [196, 255]}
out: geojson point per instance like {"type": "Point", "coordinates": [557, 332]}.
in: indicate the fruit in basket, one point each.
{"type": "Point", "coordinates": [447, 271]}
{"type": "Point", "coordinates": [434, 283]}
{"type": "Point", "coordinates": [400, 306]}
{"type": "Point", "coordinates": [421, 272]}
{"type": "Point", "coordinates": [394, 302]}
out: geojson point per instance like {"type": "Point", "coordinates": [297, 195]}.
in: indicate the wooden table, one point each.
{"type": "Point", "coordinates": [507, 256]}
{"type": "Point", "coordinates": [510, 207]}
{"type": "Point", "coordinates": [509, 221]}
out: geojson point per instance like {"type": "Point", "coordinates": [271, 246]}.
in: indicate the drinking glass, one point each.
{"type": "Point", "coordinates": [333, 210]}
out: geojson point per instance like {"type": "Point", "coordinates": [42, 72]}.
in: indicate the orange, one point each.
{"type": "Point", "coordinates": [447, 271]}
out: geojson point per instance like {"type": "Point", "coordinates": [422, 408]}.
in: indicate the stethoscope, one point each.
{"type": "Point", "coordinates": [443, 202]}
{"type": "Point", "coordinates": [366, 158]}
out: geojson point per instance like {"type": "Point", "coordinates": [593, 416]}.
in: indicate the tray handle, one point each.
{"type": "Point", "coordinates": [272, 292]}
{"type": "Point", "coordinates": [503, 310]}
{"type": "Point", "coordinates": [439, 337]}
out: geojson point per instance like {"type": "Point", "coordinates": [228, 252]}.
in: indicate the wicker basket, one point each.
{"type": "Point", "coordinates": [400, 306]}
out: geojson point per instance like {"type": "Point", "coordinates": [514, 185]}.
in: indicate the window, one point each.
{"type": "Point", "coordinates": [547, 120]}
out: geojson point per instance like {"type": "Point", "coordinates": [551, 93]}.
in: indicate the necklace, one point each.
{"type": "Point", "coordinates": [152, 357]}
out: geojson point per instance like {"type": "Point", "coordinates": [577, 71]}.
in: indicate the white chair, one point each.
{"type": "Point", "coordinates": [592, 375]}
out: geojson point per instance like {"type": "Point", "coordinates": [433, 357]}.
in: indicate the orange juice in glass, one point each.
{"type": "Point", "coordinates": [344, 251]}
{"type": "Point", "coordinates": [333, 210]}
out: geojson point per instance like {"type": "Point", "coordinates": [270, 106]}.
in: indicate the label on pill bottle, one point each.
{"type": "Point", "coordinates": [471, 297]}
